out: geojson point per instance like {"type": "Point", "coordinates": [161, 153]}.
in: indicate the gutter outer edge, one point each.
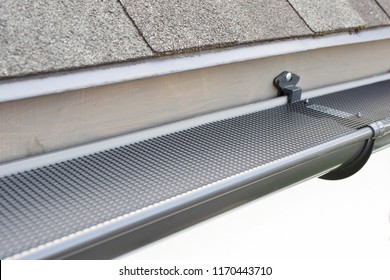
{"type": "Point", "coordinates": [171, 205]}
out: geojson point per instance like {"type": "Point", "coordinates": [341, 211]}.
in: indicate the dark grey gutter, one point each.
{"type": "Point", "coordinates": [133, 232]}
{"type": "Point", "coordinates": [184, 176]}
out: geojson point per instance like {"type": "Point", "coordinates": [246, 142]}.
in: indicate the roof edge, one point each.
{"type": "Point", "coordinates": [22, 88]}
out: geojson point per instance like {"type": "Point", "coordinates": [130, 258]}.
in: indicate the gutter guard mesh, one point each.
{"type": "Point", "coordinates": [48, 203]}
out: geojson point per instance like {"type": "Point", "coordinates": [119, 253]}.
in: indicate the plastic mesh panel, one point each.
{"type": "Point", "coordinates": [47, 203]}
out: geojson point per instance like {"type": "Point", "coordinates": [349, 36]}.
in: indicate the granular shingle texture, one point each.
{"type": "Point", "coordinates": [370, 12]}
{"type": "Point", "coordinates": [171, 26]}
{"type": "Point", "coordinates": [385, 4]}
{"type": "Point", "coordinates": [329, 16]}
{"type": "Point", "coordinates": [46, 35]}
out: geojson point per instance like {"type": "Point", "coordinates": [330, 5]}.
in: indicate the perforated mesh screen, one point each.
{"type": "Point", "coordinates": [47, 203]}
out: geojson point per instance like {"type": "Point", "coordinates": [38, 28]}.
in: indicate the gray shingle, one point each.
{"type": "Point", "coordinates": [330, 15]}
{"type": "Point", "coordinates": [370, 12]}
{"type": "Point", "coordinates": [385, 4]}
{"type": "Point", "coordinates": [46, 35]}
{"type": "Point", "coordinates": [170, 26]}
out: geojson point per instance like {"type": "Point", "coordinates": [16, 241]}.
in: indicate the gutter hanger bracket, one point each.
{"type": "Point", "coordinates": [286, 84]}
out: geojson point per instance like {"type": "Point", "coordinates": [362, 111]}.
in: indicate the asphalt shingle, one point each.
{"type": "Point", "coordinates": [44, 35]}
{"type": "Point", "coordinates": [370, 12]}
{"type": "Point", "coordinates": [328, 15]}
{"type": "Point", "coordinates": [385, 4]}
{"type": "Point", "coordinates": [171, 26]}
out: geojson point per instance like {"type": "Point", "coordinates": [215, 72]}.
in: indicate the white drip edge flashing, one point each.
{"type": "Point", "coordinates": [124, 72]}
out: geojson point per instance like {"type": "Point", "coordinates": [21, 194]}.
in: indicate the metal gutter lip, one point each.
{"type": "Point", "coordinates": [100, 76]}
{"type": "Point", "coordinates": [161, 209]}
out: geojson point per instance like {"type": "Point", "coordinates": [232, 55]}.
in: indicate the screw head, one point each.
{"type": "Point", "coordinates": [359, 115]}
{"type": "Point", "coordinates": [288, 76]}
{"type": "Point", "coordinates": [307, 101]}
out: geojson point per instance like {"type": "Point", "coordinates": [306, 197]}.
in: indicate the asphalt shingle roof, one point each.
{"type": "Point", "coordinates": [171, 26]}
{"type": "Point", "coordinates": [45, 36]}
{"type": "Point", "coordinates": [385, 4]}
{"type": "Point", "coordinates": [48, 35]}
{"type": "Point", "coordinates": [329, 15]}
{"type": "Point", "coordinates": [370, 12]}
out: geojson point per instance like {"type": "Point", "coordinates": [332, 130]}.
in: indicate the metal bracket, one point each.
{"type": "Point", "coordinates": [286, 84]}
